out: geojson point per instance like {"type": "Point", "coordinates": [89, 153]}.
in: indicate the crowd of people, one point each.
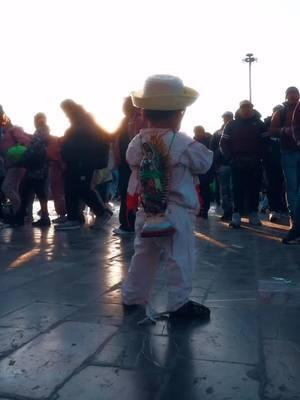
{"type": "Point", "coordinates": [164, 178]}
{"type": "Point", "coordinates": [256, 167]}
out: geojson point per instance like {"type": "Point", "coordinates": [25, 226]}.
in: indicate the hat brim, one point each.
{"type": "Point", "coordinates": [165, 103]}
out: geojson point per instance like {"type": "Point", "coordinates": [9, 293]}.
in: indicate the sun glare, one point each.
{"type": "Point", "coordinates": [96, 52]}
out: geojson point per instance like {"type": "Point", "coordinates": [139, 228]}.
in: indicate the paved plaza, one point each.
{"type": "Point", "coordinates": [64, 334]}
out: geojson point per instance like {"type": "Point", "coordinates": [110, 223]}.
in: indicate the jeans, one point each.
{"type": "Point", "coordinates": [225, 183]}
{"type": "Point", "coordinates": [291, 169]}
{"type": "Point", "coordinates": [246, 180]}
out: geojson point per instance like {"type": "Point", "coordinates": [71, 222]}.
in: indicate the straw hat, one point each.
{"type": "Point", "coordinates": [164, 93]}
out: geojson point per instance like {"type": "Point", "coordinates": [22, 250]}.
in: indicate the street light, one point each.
{"type": "Point", "coordinates": [250, 59]}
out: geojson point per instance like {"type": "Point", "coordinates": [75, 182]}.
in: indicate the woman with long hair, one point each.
{"type": "Point", "coordinates": [84, 149]}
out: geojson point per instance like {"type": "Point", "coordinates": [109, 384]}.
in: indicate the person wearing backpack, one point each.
{"type": "Point", "coordinates": [12, 136]}
{"type": "Point", "coordinates": [281, 126]}
{"type": "Point", "coordinates": [84, 149]}
{"type": "Point", "coordinates": [35, 182]}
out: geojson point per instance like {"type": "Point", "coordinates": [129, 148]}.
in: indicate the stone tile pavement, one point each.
{"type": "Point", "coordinates": [64, 334]}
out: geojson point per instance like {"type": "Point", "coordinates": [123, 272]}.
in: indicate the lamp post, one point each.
{"type": "Point", "coordinates": [250, 59]}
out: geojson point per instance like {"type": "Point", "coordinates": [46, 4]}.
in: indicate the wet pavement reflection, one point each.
{"type": "Point", "coordinates": [65, 335]}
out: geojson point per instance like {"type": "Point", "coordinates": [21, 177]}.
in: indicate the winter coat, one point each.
{"type": "Point", "coordinates": [244, 140]}
{"type": "Point", "coordinates": [283, 119]}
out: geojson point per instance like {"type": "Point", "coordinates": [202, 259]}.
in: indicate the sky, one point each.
{"type": "Point", "coordinates": [98, 51]}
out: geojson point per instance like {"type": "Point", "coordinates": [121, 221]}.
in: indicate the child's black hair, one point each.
{"type": "Point", "coordinates": [157, 115]}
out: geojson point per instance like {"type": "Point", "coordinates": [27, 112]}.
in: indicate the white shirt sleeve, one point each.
{"type": "Point", "coordinates": [197, 158]}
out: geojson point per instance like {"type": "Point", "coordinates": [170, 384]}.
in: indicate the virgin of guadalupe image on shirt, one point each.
{"type": "Point", "coordinates": [155, 180]}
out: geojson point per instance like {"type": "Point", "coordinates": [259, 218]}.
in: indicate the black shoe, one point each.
{"type": "Point", "coordinates": [42, 223]}
{"type": "Point", "coordinates": [226, 217]}
{"type": "Point", "coordinates": [203, 214]}
{"type": "Point", "coordinates": [292, 234]}
{"type": "Point", "coordinates": [191, 310]}
{"type": "Point", "coordinates": [132, 308]}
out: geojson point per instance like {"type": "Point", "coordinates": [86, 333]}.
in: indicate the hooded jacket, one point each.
{"type": "Point", "coordinates": [244, 139]}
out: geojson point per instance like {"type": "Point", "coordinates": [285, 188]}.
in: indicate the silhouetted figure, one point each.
{"type": "Point", "coordinates": [243, 145]}
{"type": "Point", "coordinates": [130, 126]}
{"type": "Point", "coordinates": [204, 179]}
{"type": "Point", "coordinates": [274, 174]}
{"type": "Point", "coordinates": [84, 149]}
{"type": "Point", "coordinates": [223, 170]}
{"type": "Point", "coordinates": [281, 126]}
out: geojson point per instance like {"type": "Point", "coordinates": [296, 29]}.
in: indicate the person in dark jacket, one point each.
{"type": "Point", "coordinates": [281, 126]}
{"type": "Point", "coordinates": [223, 169]}
{"type": "Point", "coordinates": [243, 144]}
{"type": "Point", "coordinates": [274, 174]}
{"type": "Point", "coordinates": [130, 126]}
{"type": "Point", "coordinates": [35, 182]}
{"type": "Point", "coordinates": [84, 149]}
{"type": "Point", "coordinates": [204, 179]}
{"type": "Point", "coordinates": [294, 232]}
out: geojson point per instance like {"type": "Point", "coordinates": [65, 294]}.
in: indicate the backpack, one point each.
{"type": "Point", "coordinates": [34, 156]}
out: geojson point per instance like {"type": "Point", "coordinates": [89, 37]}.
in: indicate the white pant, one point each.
{"type": "Point", "coordinates": [178, 254]}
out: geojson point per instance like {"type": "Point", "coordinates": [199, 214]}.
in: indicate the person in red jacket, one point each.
{"type": "Point", "coordinates": [242, 144]}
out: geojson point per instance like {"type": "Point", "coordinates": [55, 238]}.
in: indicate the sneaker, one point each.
{"type": "Point", "coordinates": [100, 222]}
{"type": "Point", "coordinates": [60, 220]}
{"type": "Point", "coordinates": [122, 232]}
{"type": "Point", "coordinates": [254, 219]}
{"type": "Point", "coordinates": [226, 217]}
{"type": "Point", "coordinates": [42, 223]}
{"type": "Point", "coordinates": [235, 220]}
{"type": "Point", "coordinates": [192, 310]}
{"type": "Point", "coordinates": [274, 216]}
{"type": "Point", "coordinates": [68, 226]}
{"type": "Point", "coordinates": [292, 234]}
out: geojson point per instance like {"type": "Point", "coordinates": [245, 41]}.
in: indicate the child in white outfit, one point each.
{"type": "Point", "coordinates": [163, 100]}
